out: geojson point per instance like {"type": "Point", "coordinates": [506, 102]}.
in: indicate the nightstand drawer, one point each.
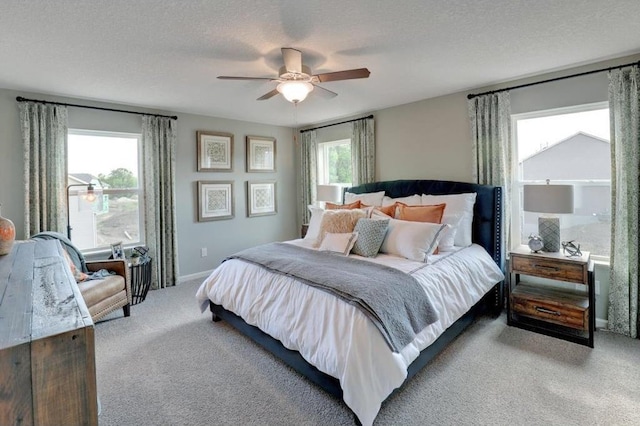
{"type": "Point", "coordinates": [549, 268]}
{"type": "Point", "coordinates": [558, 307]}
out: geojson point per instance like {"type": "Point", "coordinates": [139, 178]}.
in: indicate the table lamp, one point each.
{"type": "Point", "coordinates": [330, 193]}
{"type": "Point", "coordinates": [552, 200]}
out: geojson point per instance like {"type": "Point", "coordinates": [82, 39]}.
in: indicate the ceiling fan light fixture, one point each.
{"type": "Point", "coordinates": [295, 91]}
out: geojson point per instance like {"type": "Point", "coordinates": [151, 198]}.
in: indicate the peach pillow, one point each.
{"type": "Point", "coordinates": [388, 210]}
{"type": "Point", "coordinates": [431, 213]}
{"type": "Point", "coordinates": [355, 205]}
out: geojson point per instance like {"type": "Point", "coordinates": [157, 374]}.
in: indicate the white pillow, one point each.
{"type": "Point", "coordinates": [368, 199]}
{"type": "Point", "coordinates": [339, 243]}
{"type": "Point", "coordinates": [447, 242]}
{"type": "Point", "coordinates": [412, 240]}
{"type": "Point", "coordinates": [456, 204]}
{"type": "Point", "coordinates": [314, 223]}
{"type": "Point", "coordinates": [412, 200]}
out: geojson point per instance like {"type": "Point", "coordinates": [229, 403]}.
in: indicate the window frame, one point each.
{"type": "Point", "coordinates": [517, 181]}
{"type": "Point", "coordinates": [139, 191]}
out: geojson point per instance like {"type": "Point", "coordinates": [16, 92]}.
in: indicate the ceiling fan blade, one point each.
{"type": "Point", "coordinates": [271, 94]}
{"type": "Point", "coordinates": [292, 60]}
{"type": "Point", "coordinates": [343, 75]}
{"type": "Point", "coordinates": [325, 92]}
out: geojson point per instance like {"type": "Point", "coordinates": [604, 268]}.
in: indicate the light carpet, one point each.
{"type": "Point", "coordinates": [169, 364]}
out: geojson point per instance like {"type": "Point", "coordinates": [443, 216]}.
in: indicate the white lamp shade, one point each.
{"type": "Point", "coordinates": [557, 199]}
{"type": "Point", "coordinates": [295, 91]}
{"type": "Point", "coordinates": [331, 193]}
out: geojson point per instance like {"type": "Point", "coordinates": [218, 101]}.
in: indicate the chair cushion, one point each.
{"type": "Point", "coordinates": [94, 291]}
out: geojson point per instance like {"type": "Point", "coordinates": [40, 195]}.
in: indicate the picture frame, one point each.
{"type": "Point", "coordinates": [215, 200]}
{"type": "Point", "coordinates": [117, 252]}
{"type": "Point", "coordinates": [215, 151]}
{"type": "Point", "coordinates": [261, 198]}
{"type": "Point", "coordinates": [261, 154]}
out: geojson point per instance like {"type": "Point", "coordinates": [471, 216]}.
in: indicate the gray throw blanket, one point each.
{"type": "Point", "coordinates": [394, 301]}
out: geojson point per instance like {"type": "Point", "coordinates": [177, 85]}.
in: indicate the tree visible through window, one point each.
{"type": "Point", "coordinates": [567, 146]}
{"type": "Point", "coordinates": [334, 163]}
{"type": "Point", "coordinates": [110, 162]}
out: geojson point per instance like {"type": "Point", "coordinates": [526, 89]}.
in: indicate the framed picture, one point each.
{"type": "Point", "coordinates": [215, 200]}
{"type": "Point", "coordinates": [215, 151]}
{"type": "Point", "coordinates": [116, 250]}
{"type": "Point", "coordinates": [261, 154]}
{"type": "Point", "coordinates": [261, 198]}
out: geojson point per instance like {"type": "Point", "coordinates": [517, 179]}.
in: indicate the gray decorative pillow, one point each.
{"type": "Point", "coordinates": [371, 234]}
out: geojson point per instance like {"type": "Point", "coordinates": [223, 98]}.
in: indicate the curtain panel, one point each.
{"type": "Point", "coordinates": [309, 170]}
{"type": "Point", "coordinates": [44, 136]}
{"type": "Point", "coordinates": [363, 151]}
{"type": "Point", "coordinates": [624, 290]}
{"type": "Point", "coordinates": [490, 117]}
{"type": "Point", "coordinates": [158, 153]}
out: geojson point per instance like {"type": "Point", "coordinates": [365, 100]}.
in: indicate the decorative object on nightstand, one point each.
{"type": "Point", "coordinates": [570, 249]}
{"type": "Point", "coordinates": [535, 243]}
{"type": "Point", "coordinates": [552, 310]}
{"type": "Point", "coordinates": [329, 193]}
{"type": "Point", "coordinates": [552, 199]}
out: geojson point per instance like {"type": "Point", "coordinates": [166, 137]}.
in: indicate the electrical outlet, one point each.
{"type": "Point", "coordinates": [597, 287]}
{"type": "Point", "coordinates": [203, 252]}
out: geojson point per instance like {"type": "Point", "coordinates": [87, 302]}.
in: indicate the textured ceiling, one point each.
{"type": "Point", "coordinates": [167, 54]}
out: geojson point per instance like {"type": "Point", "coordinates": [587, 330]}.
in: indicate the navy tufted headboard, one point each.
{"type": "Point", "coordinates": [487, 212]}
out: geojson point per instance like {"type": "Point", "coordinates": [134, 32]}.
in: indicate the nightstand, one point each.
{"type": "Point", "coordinates": [559, 312]}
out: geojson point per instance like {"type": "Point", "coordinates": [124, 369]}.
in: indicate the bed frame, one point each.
{"type": "Point", "coordinates": [486, 231]}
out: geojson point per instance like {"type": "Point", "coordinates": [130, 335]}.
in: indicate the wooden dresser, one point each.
{"type": "Point", "coordinates": [47, 349]}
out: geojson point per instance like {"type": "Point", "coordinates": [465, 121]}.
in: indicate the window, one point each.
{"type": "Point", "coordinates": [567, 146]}
{"type": "Point", "coordinates": [334, 163]}
{"type": "Point", "coordinates": [110, 162]}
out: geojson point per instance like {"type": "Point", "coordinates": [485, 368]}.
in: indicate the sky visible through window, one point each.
{"type": "Point", "coordinates": [536, 133]}
{"type": "Point", "coordinates": [102, 154]}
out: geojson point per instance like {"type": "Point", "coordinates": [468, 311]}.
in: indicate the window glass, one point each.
{"type": "Point", "coordinates": [110, 163]}
{"type": "Point", "coordinates": [334, 163]}
{"type": "Point", "coordinates": [567, 146]}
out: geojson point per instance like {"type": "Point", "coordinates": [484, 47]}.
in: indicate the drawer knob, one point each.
{"type": "Point", "coordinates": [547, 311]}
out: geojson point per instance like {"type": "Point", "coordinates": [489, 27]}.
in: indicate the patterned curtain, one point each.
{"type": "Point", "coordinates": [624, 110]}
{"type": "Point", "coordinates": [44, 134]}
{"type": "Point", "coordinates": [363, 151]}
{"type": "Point", "coordinates": [158, 153]}
{"type": "Point", "coordinates": [309, 170]}
{"type": "Point", "coordinates": [490, 117]}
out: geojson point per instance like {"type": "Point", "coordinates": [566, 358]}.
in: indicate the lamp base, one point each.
{"type": "Point", "coordinates": [549, 230]}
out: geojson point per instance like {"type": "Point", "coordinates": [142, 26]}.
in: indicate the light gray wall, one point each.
{"type": "Point", "coordinates": [431, 139]}
{"type": "Point", "coordinates": [221, 238]}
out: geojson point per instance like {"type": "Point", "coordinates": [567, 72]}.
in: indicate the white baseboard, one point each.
{"type": "Point", "coordinates": [600, 323]}
{"type": "Point", "coordinates": [197, 275]}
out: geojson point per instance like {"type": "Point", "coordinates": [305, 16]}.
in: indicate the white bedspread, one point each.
{"type": "Point", "coordinates": [335, 336]}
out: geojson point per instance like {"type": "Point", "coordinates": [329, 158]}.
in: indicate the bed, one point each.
{"type": "Point", "coordinates": [331, 342]}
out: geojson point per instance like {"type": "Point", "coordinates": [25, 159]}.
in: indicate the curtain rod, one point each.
{"type": "Point", "coordinates": [21, 99]}
{"type": "Point", "coordinates": [471, 96]}
{"type": "Point", "coordinates": [335, 124]}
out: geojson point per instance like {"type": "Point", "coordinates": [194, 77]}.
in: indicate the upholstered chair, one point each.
{"type": "Point", "coordinates": [102, 296]}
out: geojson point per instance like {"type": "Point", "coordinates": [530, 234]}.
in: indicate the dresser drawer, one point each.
{"type": "Point", "coordinates": [549, 268]}
{"type": "Point", "coordinates": [561, 308]}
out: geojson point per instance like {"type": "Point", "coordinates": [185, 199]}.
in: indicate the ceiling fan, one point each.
{"type": "Point", "coordinates": [295, 80]}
